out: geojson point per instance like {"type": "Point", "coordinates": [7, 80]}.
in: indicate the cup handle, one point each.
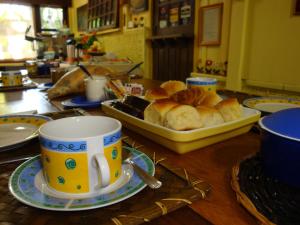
{"type": "Point", "coordinates": [103, 168]}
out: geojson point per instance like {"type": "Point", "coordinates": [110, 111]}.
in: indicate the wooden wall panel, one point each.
{"type": "Point", "coordinates": [172, 58]}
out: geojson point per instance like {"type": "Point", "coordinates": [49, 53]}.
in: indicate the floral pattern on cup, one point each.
{"type": "Point", "coordinates": [70, 164]}
{"type": "Point", "coordinates": [114, 153]}
{"type": "Point", "coordinates": [61, 180]}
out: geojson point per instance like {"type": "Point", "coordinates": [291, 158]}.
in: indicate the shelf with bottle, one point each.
{"type": "Point", "coordinates": [174, 16]}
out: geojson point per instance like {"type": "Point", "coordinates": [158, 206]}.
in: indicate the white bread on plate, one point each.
{"type": "Point", "coordinates": [230, 109]}
{"type": "Point", "coordinates": [211, 99]}
{"type": "Point", "coordinates": [209, 116]}
{"type": "Point", "coordinates": [182, 117]}
{"type": "Point", "coordinates": [156, 111]}
{"type": "Point", "coordinates": [173, 86]}
{"type": "Point", "coordinates": [156, 93]}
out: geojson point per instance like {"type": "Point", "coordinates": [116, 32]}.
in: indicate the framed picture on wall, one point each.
{"type": "Point", "coordinates": [296, 8]}
{"type": "Point", "coordinates": [82, 16]}
{"type": "Point", "coordinates": [210, 24]}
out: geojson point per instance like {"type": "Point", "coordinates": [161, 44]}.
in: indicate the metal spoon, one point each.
{"type": "Point", "coordinates": [82, 67]}
{"type": "Point", "coordinates": [151, 181]}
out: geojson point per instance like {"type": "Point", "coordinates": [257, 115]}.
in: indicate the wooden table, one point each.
{"type": "Point", "coordinates": [25, 100]}
{"type": "Point", "coordinates": [212, 163]}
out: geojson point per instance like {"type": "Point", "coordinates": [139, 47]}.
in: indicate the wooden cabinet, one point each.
{"type": "Point", "coordinates": [173, 39]}
{"type": "Point", "coordinates": [102, 14]}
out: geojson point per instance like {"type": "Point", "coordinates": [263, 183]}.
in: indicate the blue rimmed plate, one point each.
{"type": "Point", "coordinates": [16, 130]}
{"type": "Point", "coordinates": [80, 101]}
{"type": "Point", "coordinates": [46, 86]}
{"type": "Point", "coordinates": [271, 104]}
{"type": "Point", "coordinates": [28, 186]}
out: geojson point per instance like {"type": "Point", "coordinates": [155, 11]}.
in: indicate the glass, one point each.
{"type": "Point", "coordinates": [57, 73]}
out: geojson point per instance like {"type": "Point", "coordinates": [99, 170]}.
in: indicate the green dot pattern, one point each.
{"type": "Point", "coordinates": [70, 164]}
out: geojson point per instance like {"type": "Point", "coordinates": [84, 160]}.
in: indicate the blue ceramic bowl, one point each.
{"type": "Point", "coordinates": [280, 145]}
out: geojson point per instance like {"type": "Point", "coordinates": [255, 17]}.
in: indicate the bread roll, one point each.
{"type": "Point", "coordinates": [156, 93]}
{"type": "Point", "coordinates": [182, 117]}
{"type": "Point", "coordinates": [156, 111]}
{"type": "Point", "coordinates": [230, 109]}
{"type": "Point", "coordinates": [209, 116]}
{"type": "Point", "coordinates": [73, 81]}
{"type": "Point", "coordinates": [173, 86]}
{"type": "Point", "coordinates": [211, 99]}
{"type": "Point", "coordinates": [191, 96]}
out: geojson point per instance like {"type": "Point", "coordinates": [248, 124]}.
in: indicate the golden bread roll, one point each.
{"type": "Point", "coordinates": [156, 93]}
{"type": "Point", "coordinates": [211, 99]}
{"type": "Point", "coordinates": [230, 109]}
{"type": "Point", "coordinates": [156, 111]}
{"type": "Point", "coordinates": [173, 86]}
{"type": "Point", "coordinates": [73, 81]}
{"type": "Point", "coordinates": [182, 117]}
{"type": "Point", "coordinates": [191, 96]}
{"type": "Point", "coordinates": [209, 116]}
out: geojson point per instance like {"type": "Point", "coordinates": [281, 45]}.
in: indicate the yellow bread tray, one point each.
{"type": "Point", "coordinates": [185, 141]}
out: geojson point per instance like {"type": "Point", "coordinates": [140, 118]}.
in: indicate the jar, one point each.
{"type": "Point", "coordinates": [11, 78]}
{"type": "Point", "coordinates": [31, 67]}
{"type": "Point", "coordinates": [57, 73]}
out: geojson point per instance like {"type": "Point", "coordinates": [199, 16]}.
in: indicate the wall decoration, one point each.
{"type": "Point", "coordinates": [138, 5]}
{"type": "Point", "coordinates": [82, 15]}
{"type": "Point", "coordinates": [210, 24]}
{"type": "Point", "coordinates": [296, 8]}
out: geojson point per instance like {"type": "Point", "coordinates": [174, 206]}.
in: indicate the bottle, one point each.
{"type": "Point", "coordinates": [185, 13]}
{"type": "Point", "coordinates": [163, 17]}
{"type": "Point", "coordinates": [61, 55]}
{"type": "Point", "coordinates": [135, 22]}
{"type": "Point", "coordinates": [174, 16]}
{"type": "Point", "coordinates": [142, 22]}
{"type": "Point", "coordinates": [126, 15]}
{"type": "Point", "coordinates": [70, 50]}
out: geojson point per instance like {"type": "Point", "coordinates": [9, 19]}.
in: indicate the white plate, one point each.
{"type": "Point", "coordinates": [271, 104]}
{"type": "Point", "coordinates": [28, 186]}
{"type": "Point", "coordinates": [16, 130]}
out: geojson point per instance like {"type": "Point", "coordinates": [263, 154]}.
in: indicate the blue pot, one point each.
{"type": "Point", "coordinates": [280, 145]}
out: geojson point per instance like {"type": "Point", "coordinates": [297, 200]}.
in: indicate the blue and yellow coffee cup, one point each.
{"type": "Point", "coordinates": [208, 84]}
{"type": "Point", "coordinates": [81, 154]}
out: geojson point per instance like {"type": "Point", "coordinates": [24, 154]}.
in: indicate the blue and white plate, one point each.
{"type": "Point", "coordinates": [271, 104]}
{"type": "Point", "coordinates": [80, 101]}
{"type": "Point", "coordinates": [16, 130]}
{"type": "Point", "coordinates": [28, 186]}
